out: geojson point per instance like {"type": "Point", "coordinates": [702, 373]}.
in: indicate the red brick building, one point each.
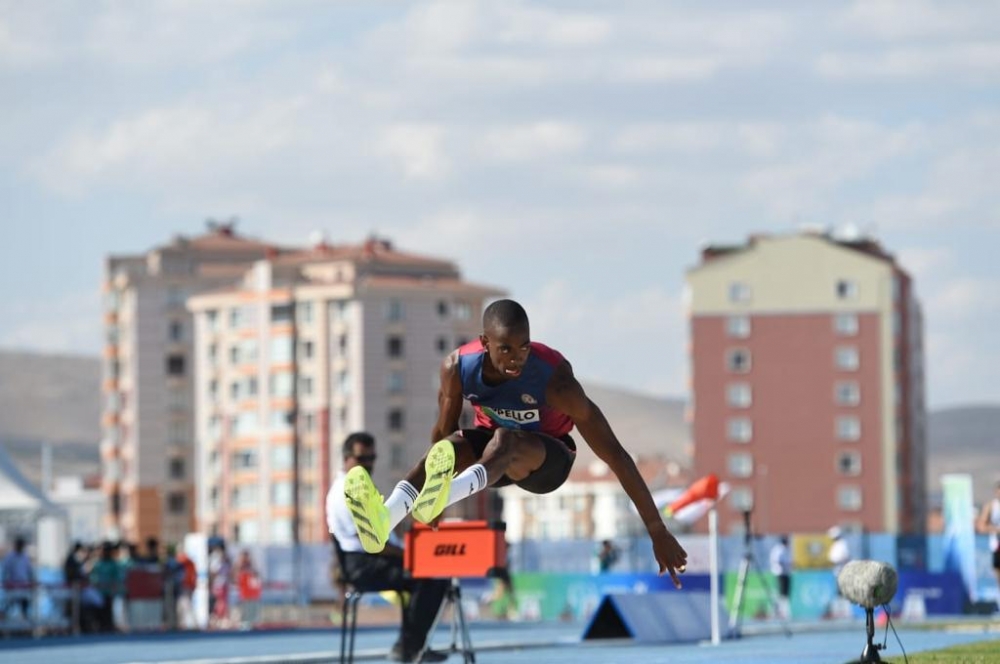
{"type": "Point", "coordinates": [807, 384]}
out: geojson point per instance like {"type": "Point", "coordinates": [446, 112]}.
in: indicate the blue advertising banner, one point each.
{"type": "Point", "coordinates": [959, 530]}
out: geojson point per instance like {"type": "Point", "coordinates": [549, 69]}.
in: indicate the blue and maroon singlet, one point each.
{"type": "Point", "coordinates": [514, 404]}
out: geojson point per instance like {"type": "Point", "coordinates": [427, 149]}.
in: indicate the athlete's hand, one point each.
{"type": "Point", "coordinates": [670, 555]}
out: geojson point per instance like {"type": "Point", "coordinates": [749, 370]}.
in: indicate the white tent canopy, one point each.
{"type": "Point", "coordinates": [22, 504]}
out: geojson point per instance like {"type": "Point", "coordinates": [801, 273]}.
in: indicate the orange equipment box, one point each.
{"type": "Point", "coordinates": [456, 549]}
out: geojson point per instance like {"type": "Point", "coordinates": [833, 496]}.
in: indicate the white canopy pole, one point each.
{"type": "Point", "coordinates": [713, 571]}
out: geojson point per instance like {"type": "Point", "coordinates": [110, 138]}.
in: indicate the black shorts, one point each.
{"type": "Point", "coordinates": [996, 558]}
{"type": "Point", "coordinates": [560, 453]}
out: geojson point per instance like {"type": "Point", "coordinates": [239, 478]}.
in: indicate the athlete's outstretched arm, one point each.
{"type": "Point", "coordinates": [565, 393]}
{"type": "Point", "coordinates": [449, 399]}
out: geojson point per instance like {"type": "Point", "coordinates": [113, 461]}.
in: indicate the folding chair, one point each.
{"type": "Point", "coordinates": [352, 593]}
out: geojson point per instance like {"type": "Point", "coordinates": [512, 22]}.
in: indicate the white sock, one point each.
{"type": "Point", "coordinates": [469, 481]}
{"type": "Point", "coordinates": [400, 502]}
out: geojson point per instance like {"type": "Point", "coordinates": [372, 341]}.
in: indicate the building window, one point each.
{"type": "Point", "coordinates": [175, 365]}
{"type": "Point", "coordinates": [308, 348]}
{"type": "Point", "coordinates": [738, 327]}
{"type": "Point", "coordinates": [246, 532]}
{"type": "Point", "coordinates": [739, 291]}
{"type": "Point", "coordinates": [281, 313]}
{"type": "Point", "coordinates": [306, 385]}
{"type": "Point", "coordinates": [739, 395]}
{"type": "Point", "coordinates": [395, 419]}
{"type": "Point", "coordinates": [741, 499]}
{"type": "Point", "coordinates": [176, 331]}
{"type": "Point", "coordinates": [849, 463]}
{"type": "Point", "coordinates": [396, 382]}
{"type": "Point", "coordinates": [281, 350]}
{"type": "Point", "coordinates": [212, 320]}
{"type": "Point", "coordinates": [245, 424]}
{"type": "Point", "coordinates": [845, 325]}
{"type": "Point", "coordinates": [394, 346]}
{"type": "Point", "coordinates": [847, 289]}
{"type": "Point", "coordinates": [281, 494]}
{"type": "Point", "coordinates": [235, 318]}
{"type": "Point", "coordinates": [442, 309]}
{"type": "Point", "coordinates": [846, 358]}
{"type": "Point", "coordinates": [248, 350]}
{"type": "Point", "coordinates": [213, 354]}
{"type": "Point", "coordinates": [463, 311]}
{"type": "Point", "coordinates": [740, 464]}
{"type": "Point", "coordinates": [280, 421]}
{"type": "Point", "coordinates": [848, 428]}
{"type": "Point", "coordinates": [739, 429]}
{"type": "Point", "coordinates": [176, 503]}
{"type": "Point", "coordinates": [308, 422]}
{"type": "Point", "coordinates": [442, 345]}
{"type": "Point", "coordinates": [177, 469]}
{"type": "Point", "coordinates": [848, 393]}
{"type": "Point", "coordinates": [251, 386]}
{"type": "Point", "coordinates": [281, 457]}
{"type": "Point", "coordinates": [342, 344]}
{"type": "Point", "coordinates": [738, 360]}
{"type": "Point", "coordinates": [305, 312]}
{"type": "Point", "coordinates": [344, 382]}
{"type": "Point", "coordinates": [243, 460]}
{"type": "Point", "coordinates": [849, 498]}
{"type": "Point", "coordinates": [281, 531]}
{"type": "Point", "coordinates": [234, 390]}
{"type": "Point", "coordinates": [234, 354]}
{"type": "Point", "coordinates": [394, 310]}
{"type": "Point", "coordinates": [280, 384]}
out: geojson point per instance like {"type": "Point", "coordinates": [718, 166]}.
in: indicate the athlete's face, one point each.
{"type": "Point", "coordinates": [507, 350]}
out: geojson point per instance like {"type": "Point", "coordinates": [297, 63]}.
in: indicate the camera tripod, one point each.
{"type": "Point", "coordinates": [735, 618]}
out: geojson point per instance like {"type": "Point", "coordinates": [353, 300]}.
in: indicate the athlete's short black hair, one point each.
{"type": "Point", "coordinates": [505, 314]}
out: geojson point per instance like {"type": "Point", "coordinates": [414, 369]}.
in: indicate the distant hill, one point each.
{"type": "Point", "coordinates": [56, 398]}
{"type": "Point", "coordinates": [964, 439]}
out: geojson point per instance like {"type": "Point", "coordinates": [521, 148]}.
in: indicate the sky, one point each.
{"type": "Point", "coordinates": [578, 155]}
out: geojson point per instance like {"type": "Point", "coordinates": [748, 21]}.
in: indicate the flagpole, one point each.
{"type": "Point", "coordinates": [713, 571]}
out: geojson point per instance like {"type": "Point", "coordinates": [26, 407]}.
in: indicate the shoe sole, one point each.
{"type": "Point", "coordinates": [365, 505]}
{"type": "Point", "coordinates": [439, 468]}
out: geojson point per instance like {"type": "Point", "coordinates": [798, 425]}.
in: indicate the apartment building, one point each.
{"type": "Point", "coordinates": [147, 425]}
{"type": "Point", "coordinates": [308, 347]}
{"type": "Point", "coordinates": [808, 383]}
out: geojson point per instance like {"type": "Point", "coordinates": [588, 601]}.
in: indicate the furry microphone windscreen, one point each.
{"type": "Point", "coordinates": [868, 583]}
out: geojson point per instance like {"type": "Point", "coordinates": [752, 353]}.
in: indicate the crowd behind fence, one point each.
{"type": "Point", "coordinates": [111, 587]}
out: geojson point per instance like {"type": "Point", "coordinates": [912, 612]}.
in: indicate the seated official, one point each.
{"type": "Point", "coordinates": [385, 567]}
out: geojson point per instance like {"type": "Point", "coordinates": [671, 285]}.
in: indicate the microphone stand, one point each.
{"type": "Point", "coordinates": [870, 653]}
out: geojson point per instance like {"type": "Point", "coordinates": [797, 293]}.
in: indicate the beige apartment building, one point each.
{"type": "Point", "coordinates": [307, 347]}
{"type": "Point", "coordinates": [146, 450]}
{"type": "Point", "coordinates": [808, 383]}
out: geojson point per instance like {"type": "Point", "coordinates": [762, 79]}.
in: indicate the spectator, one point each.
{"type": "Point", "coordinates": [18, 576]}
{"type": "Point", "coordinates": [989, 523]}
{"type": "Point", "coordinates": [502, 601]}
{"type": "Point", "coordinates": [607, 556]}
{"type": "Point", "coordinates": [249, 586]}
{"type": "Point", "coordinates": [220, 571]}
{"type": "Point", "coordinates": [426, 595]}
{"type": "Point", "coordinates": [188, 582]}
{"type": "Point", "coordinates": [839, 555]}
{"type": "Point", "coordinates": [781, 567]}
{"type": "Point", "coordinates": [107, 578]}
{"type": "Point", "coordinates": [74, 577]}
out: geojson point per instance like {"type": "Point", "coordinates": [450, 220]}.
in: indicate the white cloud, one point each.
{"type": "Point", "coordinates": [922, 262]}
{"type": "Point", "coordinates": [635, 339]}
{"type": "Point", "coordinates": [963, 298]}
{"type": "Point", "coordinates": [417, 150]}
{"type": "Point", "coordinates": [532, 141]}
{"type": "Point", "coordinates": [894, 20]}
{"type": "Point", "coordinates": [187, 142]}
{"type": "Point", "coordinates": [976, 62]}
